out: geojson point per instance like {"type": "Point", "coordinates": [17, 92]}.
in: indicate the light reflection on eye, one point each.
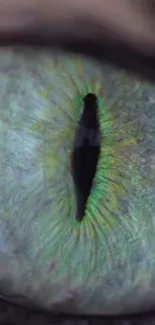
{"type": "Point", "coordinates": [105, 263]}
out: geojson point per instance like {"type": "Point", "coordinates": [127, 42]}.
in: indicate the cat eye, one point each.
{"type": "Point", "coordinates": [62, 249]}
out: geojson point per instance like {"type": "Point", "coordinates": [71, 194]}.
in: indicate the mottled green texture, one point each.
{"type": "Point", "coordinates": [106, 263]}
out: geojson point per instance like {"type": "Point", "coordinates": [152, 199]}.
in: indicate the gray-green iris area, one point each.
{"type": "Point", "coordinates": [104, 264]}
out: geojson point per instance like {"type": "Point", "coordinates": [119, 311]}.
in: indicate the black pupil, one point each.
{"type": "Point", "coordinates": [86, 153]}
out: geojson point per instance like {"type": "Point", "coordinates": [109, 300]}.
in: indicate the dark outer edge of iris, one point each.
{"type": "Point", "coordinates": [137, 318]}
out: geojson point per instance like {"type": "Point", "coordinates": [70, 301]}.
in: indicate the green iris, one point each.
{"type": "Point", "coordinates": [49, 257]}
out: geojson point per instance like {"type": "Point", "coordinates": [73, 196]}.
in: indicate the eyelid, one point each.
{"type": "Point", "coordinates": [18, 16]}
{"type": "Point", "coordinates": [27, 27]}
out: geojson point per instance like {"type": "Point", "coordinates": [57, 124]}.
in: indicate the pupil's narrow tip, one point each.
{"type": "Point", "coordinates": [90, 99]}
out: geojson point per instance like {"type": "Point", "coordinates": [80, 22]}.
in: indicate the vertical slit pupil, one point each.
{"type": "Point", "coordinates": [86, 153]}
